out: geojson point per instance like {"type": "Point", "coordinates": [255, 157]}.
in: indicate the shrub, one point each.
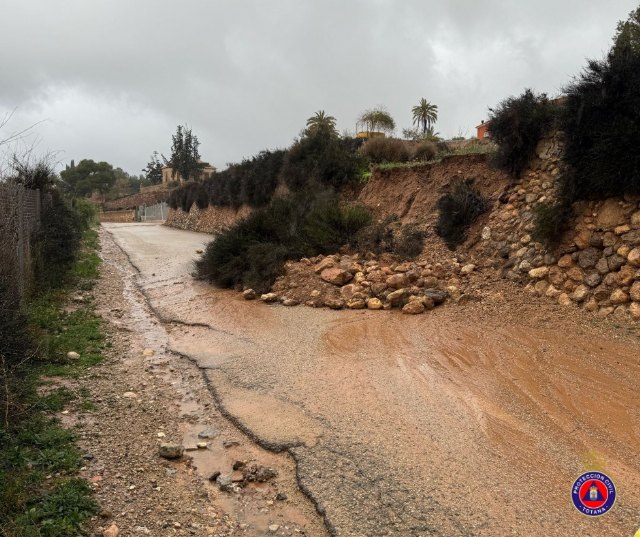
{"type": "Point", "coordinates": [550, 221]}
{"type": "Point", "coordinates": [380, 150]}
{"type": "Point", "coordinates": [322, 160]}
{"type": "Point", "coordinates": [516, 125]}
{"type": "Point", "coordinates": [457, 210]}
{"type": "Point", "coordinates": [602, 127]}
{"type": "Point", "coordinates": [57, 239]}
{"type": "Point", "coordinates": [425, 151]}
{"type": "Point", "coordinates": [409, 242]}
{"type": "Point", "coordinates": [376, 238]}
{"type": "Point", "coordinates": [252, 252]}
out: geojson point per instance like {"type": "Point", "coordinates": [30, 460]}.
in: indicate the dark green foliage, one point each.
{"type": "Point", "coordinates": [602, 127]}
{"type": "Point", "coordinates": [409, 242]}
{"type": "Point", "coordinates": [322, 160]}
{"type": "Point", "coordinates": [516, 125]}
{"type": "Point", "coordinates": [376, 238]}
{"type": "Point", "coordinates": [88, 176]}
{"type": "Point", "coordinates": [32, 175]}
{"type": "Point", "coordinates": [388, 236]}
{"type": "Point", "coordinates": [57, 239]}
{"type": "Point", "coordinates": [457, 210]}
{"type": "Point", "coordinates": [550, 222]}
{"type": "Point", "coordinates": [379, 150]}
{"type": "Point", "coordinates": [251, 253]}
{"type": "Point", "coordinates": [153, 170]}
{"type": "Point", "coordinates": [185, 158]}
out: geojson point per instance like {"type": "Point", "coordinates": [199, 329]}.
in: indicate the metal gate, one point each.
{"type": "Point", "coordinates": [150, 213]}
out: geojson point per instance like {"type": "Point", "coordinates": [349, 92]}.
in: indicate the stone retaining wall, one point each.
{"type": "Point", "coordinates": [118, 216]}
{"type": "Point", "coordinates": [209, 220]}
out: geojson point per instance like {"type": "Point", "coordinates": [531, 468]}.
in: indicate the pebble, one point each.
{"type": "Point", "coordinates": [72, 355]}
{"type": "Point", "coordinates": [273, 528]}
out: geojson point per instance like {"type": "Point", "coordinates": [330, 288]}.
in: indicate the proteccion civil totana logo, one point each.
{"type": "Point", "coordinates": [593, 493]}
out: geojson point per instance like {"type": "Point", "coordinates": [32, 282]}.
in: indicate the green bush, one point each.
{"type": "Point", "coordinates": [379, 150]}
{"type": "Point", "coordinates": [602, 127]}
{"type": "Point", "coordinates": [516, 125]}
{"type": "Point", "coordinates": [457, 210]}
{"type": "Point", "coordinates": [377, 237]}
{"type": "Point", "coordinates": [321, 159]}
{"type": "Point", "coordinates": [252, 252]}
{"type": "Point", "coordinates": [57, 239]}
{"type": "Point", "coordinates": [550, 221]}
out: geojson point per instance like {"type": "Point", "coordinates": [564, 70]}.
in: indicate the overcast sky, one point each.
{"type": "Point", "coordinates": [112, 78]}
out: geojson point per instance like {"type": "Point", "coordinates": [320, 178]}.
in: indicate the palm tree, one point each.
{"type": "Point", "coordinates": [321, 122]}
{"type": "Point", "coordinates": [425, 114]}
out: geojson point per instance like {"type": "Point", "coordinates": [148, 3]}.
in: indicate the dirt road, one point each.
{"type": "Point", "coordinates": [467, 421]}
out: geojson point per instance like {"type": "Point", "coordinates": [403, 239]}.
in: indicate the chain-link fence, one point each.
{"type": "Point", "coordinates": [20, 213]}
{"type": "Point", "coordinates": [147, 213]}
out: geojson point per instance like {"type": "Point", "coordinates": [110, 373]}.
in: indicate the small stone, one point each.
{"type": "Point", "coordinates": [171, 451]}
{"type": "Point", "coordinates": [249, 294]}
{"type": "Point", "coordinates": [73, 355]}
{"type": "Point", "coordinates": [148, 352]}
{"type": "Point", "coordinates": [225, 484]}
{"type": "Point", "coordinates": [281, 497]}
{"type": "Point", "coordinates": [580, 294]}
{"type": "Point", "coordinates": [207, 434]}
{"type": "Point", "coordinates": [591, 305]}
{"type": "Point", "coordinates": [468, 269]}
{"type": "Point", "coordinates": [436, 295]}
{"type": "Point", "coordinates": [237, 477]}
{"type": "Point", "coordinates": [129, 395]}
{"type": "Point", "coordinates": [634, 292]}
{"type": "Point", "coordinates": [356, 304]}
{"type": "Point", "coordinates": [111, 531]}
{"type": "Point", "coordinates": [230, 443]}
{"type": "Point", "coordinates": [486, 233]}
{"type": "Point", "coordinates": [374, 304]}
{"type": "Point", "coordinates": [334, 303]}
{"type": "Point", "coordinates": [618, 296]}
{"type": "Point", "coordinates": [161, 435]}
{"type": "Point", "coordinates": [634, 257]}
{"type": "Point", "coordinates": [273, 528]}
{"type": "Point", "coordinates": [565, 261]}
{"type": "Point", "coordinates": [394, 298]}
{"type": "Point", "coordinates": [269, 298]}
{"type": "Point", "coordinates": [290, 302]}
{"type": "Point", "coordinates": [326, 263]}
{"type": "Point", "coordinates": [397, 281]}
{"type": "Point", "coordinates": [539, 273]}
{"type": "Point", "coordinates": [201, 445]}
{"type": "Point", "coordinates": [564, 300]}
{"type": "Point", "coordinates": [214, 476]}
{"type": "Point", "coordinates": [314, 294]}
{"type": "Point", "coordinates": [413, 307]}
{"type": "Point", "coordinates": [621, 230]}
{"type": "Point", "coordinates": [634, 311]}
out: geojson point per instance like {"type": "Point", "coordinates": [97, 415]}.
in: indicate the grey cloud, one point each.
{"type": "Point", "coordinates": [114, 77]}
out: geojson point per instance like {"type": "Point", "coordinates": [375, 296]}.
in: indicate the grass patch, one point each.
{"type": "Point", "coordinates": [40, 495]}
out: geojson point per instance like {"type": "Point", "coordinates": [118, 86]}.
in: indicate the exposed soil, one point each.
{"type": "Point", "coordinates": [473, 420]}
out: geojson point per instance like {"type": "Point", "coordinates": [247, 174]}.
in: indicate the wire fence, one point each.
{"type": "Point", "coordinates": [20, 215]}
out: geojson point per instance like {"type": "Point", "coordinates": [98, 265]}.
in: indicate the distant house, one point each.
{"type": "Point", "coordinates": [483, 130]}
{"type": "Point", "coordinates": [206, 171]}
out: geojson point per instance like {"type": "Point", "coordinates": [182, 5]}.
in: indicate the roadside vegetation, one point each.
{"type": "Point", "coordinates": [600, 121]}
{"type": "Point", "coordinates": [457, 211]}
{"type": "Point", "coordinates": [40, 492]}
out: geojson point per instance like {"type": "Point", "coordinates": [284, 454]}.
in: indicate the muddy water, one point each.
{"type": "Point", "coordinates": [253, 506]}
{"type": "Point", "coordinates": [452, 423]}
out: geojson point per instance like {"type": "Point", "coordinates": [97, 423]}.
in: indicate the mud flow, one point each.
{"type": "Point", "coordinates": [443, 424]}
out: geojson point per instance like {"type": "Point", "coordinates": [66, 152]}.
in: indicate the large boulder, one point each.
{"type": "Point", "coordinates": [336, 276]}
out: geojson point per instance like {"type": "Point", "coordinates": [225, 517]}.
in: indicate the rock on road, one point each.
{"type": "Point", "coordinates": [469, 421]}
